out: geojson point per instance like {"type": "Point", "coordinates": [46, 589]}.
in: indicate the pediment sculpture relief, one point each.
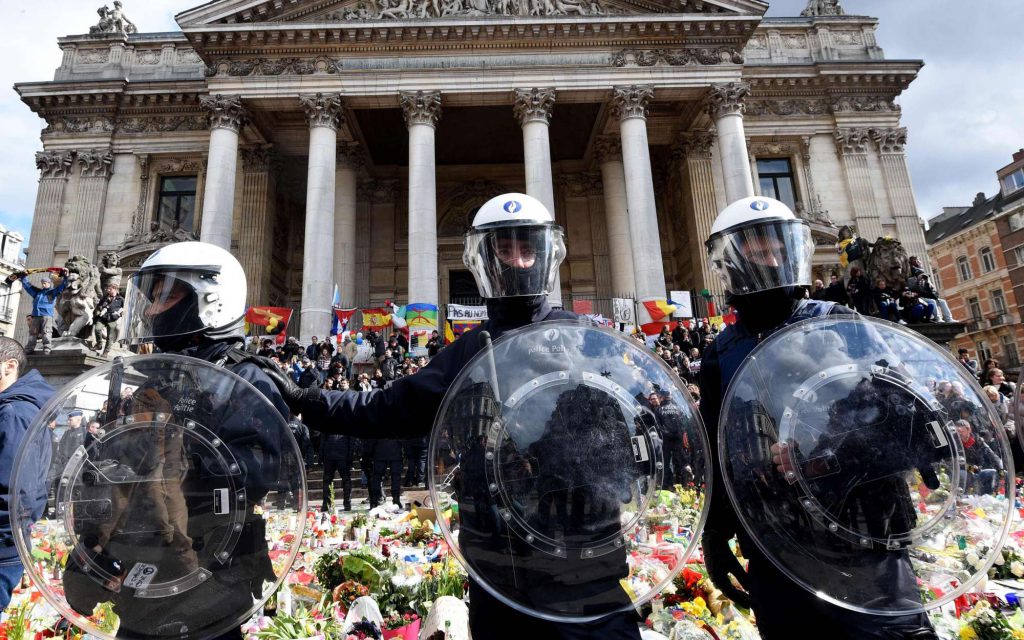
{"type": "Point", "coordinates": [406, 9]}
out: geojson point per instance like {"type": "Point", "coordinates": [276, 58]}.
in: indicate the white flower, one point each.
{"type": "Point", "coordinates": [1000, 559]}
{"type": "Point", "coordinates": [972, 559]}
{"type": "Point", "coordinates": [1017, 568]}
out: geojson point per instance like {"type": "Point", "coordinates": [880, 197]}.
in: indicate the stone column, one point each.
{"type": "Point", "coordinates": [620, 248]}
{"type": "Point", "coordinates": [853, 146]}
{"type": "Point", "coordinates": [725, 107]}
{"type": "Point", "coordinates": [532, 108]}
{"type": "Point", "coordinates": [255, 237]}
{"type": "Point", "coordinates": [55, 168]}
{"type": "Point", "coordinates": [891, 143]}
{"type": "Point", "coordinates": [629, 105]}
{"type": "Point", "coordinates": [97, 165]}
{"type": "Point", "coordinates": [350, 159]}
{"type": "Point", "coordinates": [693, 150]}
{"type": "Point", "coordinates": [422, 109]}
{"type": "Point", "coordinates": [324, 115]}
{"type": "Point", "coordinates": [227, 117]}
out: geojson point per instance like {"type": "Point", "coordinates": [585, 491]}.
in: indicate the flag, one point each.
{"type": "Point", "coordinates": [376, 319]}
{"type": "Point", "coordinates": [340, 321]}
{"type": "Point", "coordinates": [659, 308]}
{"type": "Point", "coordinates": [420, 315]}
{"type": "Point", "coordinates": [336, 326]}
{"type": "Point", "coordinates": [460, 327]}
{"type": "Point", "coordinates": [273, 319]}
{"type": "Point", "coordinates": [449, 335]}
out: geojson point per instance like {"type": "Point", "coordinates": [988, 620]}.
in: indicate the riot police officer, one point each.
{"type": "Point", "coordinates": [762, 252]}
{"type": "Point", "coordinates": [514, 250]}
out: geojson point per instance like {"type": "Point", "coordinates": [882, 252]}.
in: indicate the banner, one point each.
{"type": "Point", "coordinates": [683, 302]}
{"type": "Point", "coordinates": [421, 316]}
{"type": "Point", "coordinates": [583, 307]}
{"type": "Point", "coordinates": [273, 320]}
{"type": "Point", "coordinates": [622, 310]}
{"type": "Point", "coordinates": [599, 319]}
{"type": "Point", "coordinates": [376, 319]}
{"type": "Point", "coordinates": [463, 312]}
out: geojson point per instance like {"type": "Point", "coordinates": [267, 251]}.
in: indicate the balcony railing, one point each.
{"type": "Point", "coordinates": [1000, 320]}
{"type": "Point", "coordinates": [976, 324]}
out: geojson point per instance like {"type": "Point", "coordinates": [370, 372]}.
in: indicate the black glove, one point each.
{"type": "Point", "coordinates": [295, 396]}
{"type": "Point", "coordinates": [64, 273]}
{"type": "Point", "coordinates": [721, 562]}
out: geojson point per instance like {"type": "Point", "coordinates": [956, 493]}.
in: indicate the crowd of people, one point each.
{"type": "Point", "coordinates": [322, 365]}
{"type": "Point", "coordinates": [916, 301]}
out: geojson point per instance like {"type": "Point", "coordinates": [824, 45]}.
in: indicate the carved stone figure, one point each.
{"type": "Point", "coordinates": [77, 303]}
{"type": "Point", "coordinates": [113, 21]}
{"type": "Point", "coordinates": [888, 259]}
{"type": "Point", "coordinates": [406, 9]}
{"type": "Point", "coordinates": [110, 270]}
{"type": "Point", "coordinates": [823, 8]}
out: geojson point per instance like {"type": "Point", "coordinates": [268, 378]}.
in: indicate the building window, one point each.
{"type": "Point", "coordinates": [1013, 182]}
{"type": "Point", "coordinates": [1017, 221]}
{"type": "Point", "coordinates": [998, 301]}
{"type": "Point", "coordinates": [177, 202]}
{"type": "Point", "coordinates": [964, 267]}
{"type": "Point", "coordinates": [974, 305]}
{"type": "Point", "coordinates": [1018, 253]}
{"type": "Point", "coordinates": [1010, 354]}
{"type": "Point", "coordinates": [776, 179]}
{"type": "Point", "coordinates": [984, 353]}
{"type": "Point", "coordinates": [988, 261]}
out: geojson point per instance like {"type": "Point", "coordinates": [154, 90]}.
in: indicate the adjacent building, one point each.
{"type": "Point", "coordinates": [978, 256]}
{"type": "Point", "coordinates": [10, 296]}
{"type": "Point", "coordinates": [349, 142]}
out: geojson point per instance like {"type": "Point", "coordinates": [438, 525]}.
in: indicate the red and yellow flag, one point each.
{"type": "Point", "coordinates": [273, 319]}
{"type": "Point", "coordinates": [659, 309]}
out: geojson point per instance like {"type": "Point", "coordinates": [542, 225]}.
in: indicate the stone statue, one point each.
{"type": "Point", "coordinates": [77, 303]}
{"type": "Point", "coordinates": [110, 271]}
{"type": "Point", "coordinates": [823, 8]}
{"type": "Point", "coordinates": [113, 21]}
{"type": "Point", "coordinates": [406, 9]}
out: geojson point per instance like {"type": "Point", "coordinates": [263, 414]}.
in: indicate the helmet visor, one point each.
{"type": "Point", "coordinates": [515, 261]}
{"type": "Point", "coordinates": [763, 256]}
{"type": "Point", "coordinates": [163, 303]}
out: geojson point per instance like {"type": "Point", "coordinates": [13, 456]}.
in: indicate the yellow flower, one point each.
{"type": "Point", "coordinates": [967, 633]}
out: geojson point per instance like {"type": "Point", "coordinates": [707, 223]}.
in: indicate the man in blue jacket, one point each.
{"type": "Point", "coordinates": [21, 397]}
{"type": "Point", "coordinates": [43, 301]}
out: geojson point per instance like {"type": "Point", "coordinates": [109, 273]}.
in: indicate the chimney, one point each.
{"type": "Point", "coordinates": [1017, 157]}
{"type": "Point", "coordinates": [979, 199]}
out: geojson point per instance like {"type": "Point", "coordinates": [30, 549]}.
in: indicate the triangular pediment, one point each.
{"type": "Point", "coordinates": [229, 12]}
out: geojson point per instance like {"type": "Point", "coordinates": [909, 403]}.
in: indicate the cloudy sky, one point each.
{"type": "Point", "coordinates": [964, 112]}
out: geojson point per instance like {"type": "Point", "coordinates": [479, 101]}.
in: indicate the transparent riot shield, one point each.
{"type": "Point", "coordinates": [866, 464]}
{"type": "Point", "coordinates": [158, 497]}
{"type": "Point", "coordinates": [570, 471]}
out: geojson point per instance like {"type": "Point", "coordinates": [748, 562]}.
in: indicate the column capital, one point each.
{"type": "Point", "coordinates": [890, 140]}
{"type": "Point", "coordinates": [323, 110]}
{"type": "Point", "coordinates": [97, 163]}
{"type": "Point", "coordinates": [533, 105]}
{"type": "Point", "coordinates": [55, 164]}
{"type": "Point", "coordinates": [421, 107]}
{"type": "Point", "coordinates": [350, 154]}
{"type": "Point", "coordinates": [631, 102]}
{"type": "Point", "coordinates": [693, 144]}
{"type": "Point", "coordinates": [257, 159]}
{"type": "Point", "coordinates": [726, 99]}
{"type": "Point", "coordinates": [851, 141]}
{"type": "Point", "coordinates": [608, 149]}
{"type": "Point", "coordinates": [225, 112]}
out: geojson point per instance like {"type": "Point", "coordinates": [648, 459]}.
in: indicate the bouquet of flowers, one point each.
{"type": "Point", "coordinates": [982, 622]}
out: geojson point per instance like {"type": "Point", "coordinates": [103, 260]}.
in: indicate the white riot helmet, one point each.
{"type": "Point", "coordinates": [183, 290]}
{"type": "Point", "coordinates": [514, 248]}
{"type": "Point", "coordinates": [758, 244]}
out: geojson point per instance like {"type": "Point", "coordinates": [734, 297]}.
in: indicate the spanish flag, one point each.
{"type": "Point", "coordinates": [376, 319]}
{"type": "Point", "coordinates": [659, 309]}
